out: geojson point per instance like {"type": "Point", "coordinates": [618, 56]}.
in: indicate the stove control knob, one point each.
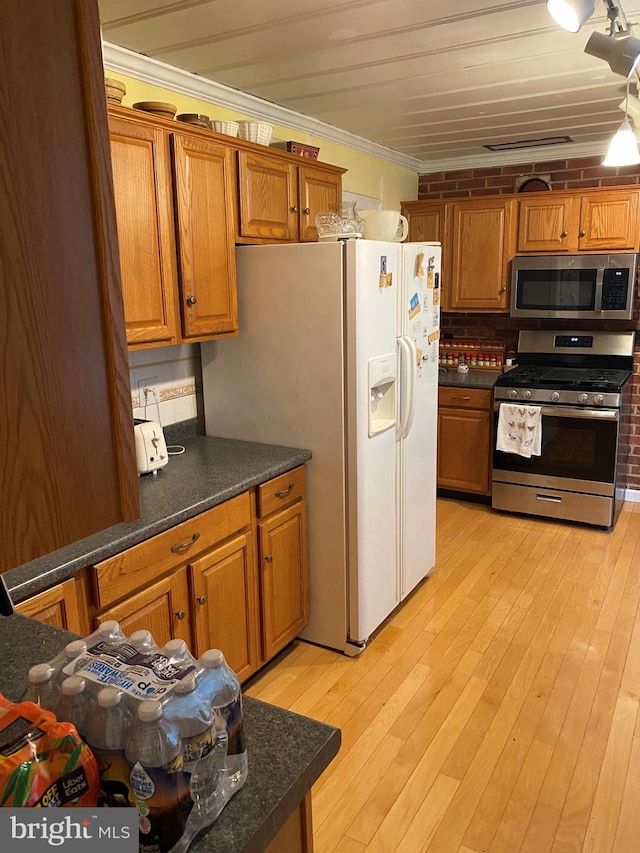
{"type": "Point", "coordinates": [598, 399]}
{"type": "Point", "coordinates": [513, 394]}
{"type": "Point", "coordinates": [554, 396]}
{"type": "Point", "coordinates": [526, 394]}
{"type": "Point", "coordinates": [582, 398]}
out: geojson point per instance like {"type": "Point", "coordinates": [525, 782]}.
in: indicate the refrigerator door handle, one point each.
{"type": "Point", "coordinates": [408, 356]}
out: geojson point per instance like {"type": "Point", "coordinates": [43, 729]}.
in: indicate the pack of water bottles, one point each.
{"type": "Point", "coordinates": [166, 729]}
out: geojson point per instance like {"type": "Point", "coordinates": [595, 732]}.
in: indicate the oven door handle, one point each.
{"type": "Point", "coordinates": [568, 412]}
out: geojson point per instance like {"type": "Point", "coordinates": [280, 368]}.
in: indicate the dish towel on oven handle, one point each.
{"type": "Point", "coordinates": [519, 429]}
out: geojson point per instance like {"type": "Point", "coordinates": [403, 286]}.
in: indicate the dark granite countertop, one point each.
{"type": "Point", "coordinates": [449, 377]}
{"type": "Point", "coordinates": [209, 472]}
{"type": "Point", "coordinates": [287, 752]}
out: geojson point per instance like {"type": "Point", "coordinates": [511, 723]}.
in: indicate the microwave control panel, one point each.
{"type": "Point", "coordinates": [615, 289]}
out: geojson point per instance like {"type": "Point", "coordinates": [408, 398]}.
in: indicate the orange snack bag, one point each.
{"type": "Point", "coordinates": [43, 763]}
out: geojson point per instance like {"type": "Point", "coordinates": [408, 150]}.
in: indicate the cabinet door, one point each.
{"type": "Point", "coordinates": [268, 197]}
{"type": "Point", "coordinates": [144, 211]}
{"type": "Point", "coordinates": [431, 226]}
{"type": "Point", "coordinates": [547, 224]}
{"type": "Point", "coordinates": [66, 427]}
{"type": "Point", "coordinates": [283, 577]}
{"type": "Point", "coordinates": [57, 606]}
{"type": "Point", "coordinates": [464, 450]}
{"type": "Point", "coordinates": [317, 191]}
{"type": "Point", "coordinates": [204, 193]}
{"type": "Point", "coordinates": [225, 604]}
{"type": "Point", "coordinates": [481, 250]}
{"type": "Point", "coordinates": [609, 221]}
{"type": "Point", "coordinates": [162, 608]}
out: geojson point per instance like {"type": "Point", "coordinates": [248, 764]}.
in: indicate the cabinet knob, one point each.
{"type": "Point", "coordinates": [191, 300]}
{"type": "Point", "coordinates": [582, 233]}
{"type": "Point", "coordinates": [502, 290]}
{"type": "Point", "coordinates": [564, 234]}
{"type": "Point", "coordinates": [307, 211]}
{"type": "Point", "coordinates": [180, 614]}
{"type": "Point", "coordinates": [295, 208]}
{"type": "Point", "coordinates": [202, 599]}
{"type": "Point", "coordinates": [269, 558]}
{"type": "Point", "coordinates": [282, 492]}
{"type": "Point", "coordinates": [182, 546]}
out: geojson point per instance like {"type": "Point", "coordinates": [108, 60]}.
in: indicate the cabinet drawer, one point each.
{"type": "Point", "coordinates": [281, 491]}
{"type": "Point", "coordinates": [465, 398]}
{"type": "Point", "coordinates": [126, 572]}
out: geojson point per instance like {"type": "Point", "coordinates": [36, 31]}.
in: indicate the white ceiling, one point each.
{"type": "Point", "coordinates": [434, 81]}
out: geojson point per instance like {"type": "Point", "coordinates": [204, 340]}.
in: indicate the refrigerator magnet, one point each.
{"type": "Point", "coordinates": [434, 336]}
{"type": "Point", "coordinates": [436, 297]}
{"type": "Point", "coordinates": [385, 279]}
{"type": "Point", "coordinates": [414, 306]}
{"type": "Point", "coordinates": [418, 270]}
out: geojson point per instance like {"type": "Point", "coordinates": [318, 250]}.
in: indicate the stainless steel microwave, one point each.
{"type": "Point", "coordinates": [574, 286]}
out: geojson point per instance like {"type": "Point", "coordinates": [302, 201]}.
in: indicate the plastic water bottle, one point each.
{"type": "Point", "coordinates": [219, 686]}
{"type": "Point", "coordinates": [143, 642]}
{"type": "Point", "coordinates": [159, 787]}
{"type": "Point", "coordinates": [75, 705]}
{"type": "Point", "coordinates": [73, 650]}
{"type": "Point", "coordinates": [106, 735]}
{"type": "Point", "coordinates": [42, 688]}
{"type": "Point", "coordinates": [204, 748]}
{"type": "Point", "coordinates": [178, 653]}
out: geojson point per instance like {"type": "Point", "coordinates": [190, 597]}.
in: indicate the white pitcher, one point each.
{"type": "Point", "coordinates": [386, 225]}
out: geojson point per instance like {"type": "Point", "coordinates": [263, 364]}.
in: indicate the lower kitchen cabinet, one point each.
{"type": "Point", "coordinates": [162, 608]}
{"type": "Point", "coordinates": [465, 439]}
{"type": "Point", "coordinates": [225, 595]}
{"type": "Point", "coordinates": [59, 606]}
{"type": "Point", "coordinates": [202, 581]}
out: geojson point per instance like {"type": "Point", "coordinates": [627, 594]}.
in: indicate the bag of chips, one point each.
{"type": "Point", "coordinates": [43, 762]}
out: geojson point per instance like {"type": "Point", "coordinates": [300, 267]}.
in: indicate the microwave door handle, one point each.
{"type": "Point", "coordinates": [598, 294]}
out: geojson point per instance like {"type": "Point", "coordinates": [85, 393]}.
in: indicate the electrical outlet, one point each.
{"type": "Point", "coordinates": [150, 383]}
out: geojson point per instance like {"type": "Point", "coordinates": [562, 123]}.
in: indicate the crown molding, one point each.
{"type": "Point", "coordinates": [538, 154]}
{"type": "Point", "coordinates": [120, 59]}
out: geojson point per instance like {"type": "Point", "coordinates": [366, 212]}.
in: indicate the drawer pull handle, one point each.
{"type": "Point", "coordinates": [461, 398]}
{"type": "Point", "coordinates": [180, 614]}
{"type": "Point", "coordinates": [269, 558]}
{"type": "Point", "coordinates": [282, 492]}
{"type": "Point", "coordinates": [182, 546]}
{"type": "Point", "coordinates": [202, 599]}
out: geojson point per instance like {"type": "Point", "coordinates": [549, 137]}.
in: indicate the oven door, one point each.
{"type": "Point", "coordinates": [578, 452]}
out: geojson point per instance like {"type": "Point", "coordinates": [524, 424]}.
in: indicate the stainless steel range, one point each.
{"type": "Point", "coordinates": [581, 383]}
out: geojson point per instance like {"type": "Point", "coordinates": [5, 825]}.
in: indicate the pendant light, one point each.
{"type": "Point", "coordinates": [623, 148]}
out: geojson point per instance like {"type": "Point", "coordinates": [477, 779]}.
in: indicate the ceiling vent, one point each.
{"type": "Point", "coordinates": [528, 143]}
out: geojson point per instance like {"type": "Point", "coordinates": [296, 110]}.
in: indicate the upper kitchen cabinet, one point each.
{"type": "Point", "coordinates": [591, 221]}
{"type": "Point", "coordinates": [482, 235]}
{"type": "Point", "coordinates": [175, 195]}
{"type": "Point", "coordinates": [66, 428]}
{"type": "Point", "coordinates": [141, 163]}
{"type": "Point", "coordinates": [278, 198]}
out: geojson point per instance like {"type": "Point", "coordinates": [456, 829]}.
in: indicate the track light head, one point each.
{"type": "Point", "coordinates": [571, 14]}
{"type": "Point", "coordinates": [622, 54]}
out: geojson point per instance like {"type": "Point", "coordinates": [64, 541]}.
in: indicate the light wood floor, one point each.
{"type": "Point", "coordinates": [497, 710]}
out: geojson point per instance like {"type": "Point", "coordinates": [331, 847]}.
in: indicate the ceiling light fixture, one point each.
{"type": "Point", "coordinates": [622, 54]}
{"type": "Point", "coordinates": [623, 148]}
{"type": "Point", "coordinates": [571, 14]}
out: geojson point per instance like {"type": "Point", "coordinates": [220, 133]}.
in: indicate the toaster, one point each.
{"type": "Point", "coordinates": [151, 448]}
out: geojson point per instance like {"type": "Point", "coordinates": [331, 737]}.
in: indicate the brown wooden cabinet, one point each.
{"type": "Point", "coordinates": [175, 195]}
{"type": "Point", "coordinates": [279, 199]}
{"type": "Point", "coordinates": [59, 606]}
{"type": "Point", "coordinates": [465, 427]}
{"type": "Point", "coordinates": [591, 221]}
{"type": "Point", "coordinates": [141, 165]}
{"type": "Point", "coordinates": [430, 223]}
{"type": "Point", "coordinates": [200, 580]}
{"type": "Point", "coordinates": [482, 246]}
{"type": "Point", "coordinates": [225, 596]}
{"type": "Point", "coordinates": [66, 427]}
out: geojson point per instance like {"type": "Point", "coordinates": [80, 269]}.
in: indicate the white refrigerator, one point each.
{"type": "Point", "coordinates": [338, 353]}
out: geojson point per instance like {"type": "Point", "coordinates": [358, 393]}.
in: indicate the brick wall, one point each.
{"type": "Point", "coordinates": [576, 173]}
{"type": "Point", "coordinates": [573, 173]}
